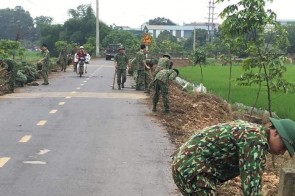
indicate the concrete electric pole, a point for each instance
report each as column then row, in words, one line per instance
column 97, row 29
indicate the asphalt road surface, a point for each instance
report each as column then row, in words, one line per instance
column 78, row 137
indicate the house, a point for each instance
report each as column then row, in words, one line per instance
column 180, row 31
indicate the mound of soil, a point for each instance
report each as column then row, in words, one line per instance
column 194, row 111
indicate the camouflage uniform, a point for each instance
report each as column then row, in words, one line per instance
column 163, row 63
column 140, row 69
column 122, row 62
column 161, row 85
column 63, row 58
column 220, row 153
column 45, row 65
column 148, row 72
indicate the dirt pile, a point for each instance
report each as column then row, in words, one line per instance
column 194, row 111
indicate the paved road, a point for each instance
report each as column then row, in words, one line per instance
column 78, row 137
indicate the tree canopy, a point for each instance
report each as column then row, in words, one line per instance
column 160, row 21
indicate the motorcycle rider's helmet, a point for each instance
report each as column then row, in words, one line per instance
column 81, row 47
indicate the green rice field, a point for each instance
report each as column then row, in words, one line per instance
column 216, row 80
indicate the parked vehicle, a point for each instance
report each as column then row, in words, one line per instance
column 112, row 50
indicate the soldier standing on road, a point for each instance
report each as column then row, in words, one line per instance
column 11, row 68
column 45, row 63
column 140, row 67
column 121, row 61
column 63, row 58
column 222, row 152
column 161, row 86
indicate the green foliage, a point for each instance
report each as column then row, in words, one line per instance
column 291, row 37
column 160, row 21
column 43, row 20
column 166, row 35
column 50, row 35
column 16, row 24
column 256, row 29
column 29, row 71
column 60, row 45
column 200, row 39
column 199, row 57
column 10, row 49
column 126, row 38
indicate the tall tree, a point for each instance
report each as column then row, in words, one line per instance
column 15, row 24
column 160, row 21
column 247, row 21
column 291, row 36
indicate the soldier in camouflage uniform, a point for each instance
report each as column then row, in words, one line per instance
column 11, row 68
column 63, row 59
column 140, row 67
column 222, row 152
column 121, row 62
column 45, row 63
column 161, row 86
column 163, row 63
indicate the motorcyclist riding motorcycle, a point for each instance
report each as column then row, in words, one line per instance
column 81, row 56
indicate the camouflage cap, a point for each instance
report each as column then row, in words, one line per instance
column 286, row 129
column 121, row 48
column 167, row 55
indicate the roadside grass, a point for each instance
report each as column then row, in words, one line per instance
column 30, row 56
column 216, row 80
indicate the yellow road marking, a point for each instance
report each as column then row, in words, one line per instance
column 25, row 139
column 68, row 97
column 74, row 92
column 52, row 111
column 3, row 161
column 42, row 122
column 61, row 103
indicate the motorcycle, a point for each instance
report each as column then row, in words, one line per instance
column 81, row 66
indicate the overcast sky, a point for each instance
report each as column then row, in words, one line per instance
column 134, row 13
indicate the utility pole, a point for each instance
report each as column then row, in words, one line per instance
column 211, row 18
column 194, row 45
column 97, row 29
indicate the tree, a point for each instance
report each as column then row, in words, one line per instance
column 160, row 21
column 40, row 20
column 15, row 24
column 291, row 37
column 49, row 35
column 10, row 49
column 200, row 39
column 199, row 58
column 166, row 35
column 126, row 38
column 251, row 25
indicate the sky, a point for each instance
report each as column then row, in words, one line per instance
column 134, row 13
